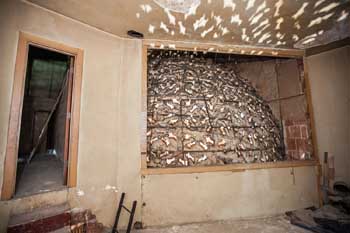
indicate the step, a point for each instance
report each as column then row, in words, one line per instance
column 46, row 219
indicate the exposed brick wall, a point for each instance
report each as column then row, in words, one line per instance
column 298, row 139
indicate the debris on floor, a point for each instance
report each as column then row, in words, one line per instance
column 330, row 218
column 276, row 224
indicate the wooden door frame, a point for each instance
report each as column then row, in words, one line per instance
column 10, row 164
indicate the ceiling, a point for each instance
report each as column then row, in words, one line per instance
column 267, row 23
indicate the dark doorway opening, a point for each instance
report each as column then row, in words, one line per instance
column 44, row 133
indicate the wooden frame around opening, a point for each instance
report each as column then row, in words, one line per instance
column 10, row 165
column 287, row 53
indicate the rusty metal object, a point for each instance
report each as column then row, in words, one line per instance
column 202, row 113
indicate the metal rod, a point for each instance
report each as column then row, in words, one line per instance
column 114, row 230
column 131, row 216
column 43, row 130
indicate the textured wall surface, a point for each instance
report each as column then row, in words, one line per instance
column 109, row 153
column 184, row 198
column 330, row 89
column 108, row 156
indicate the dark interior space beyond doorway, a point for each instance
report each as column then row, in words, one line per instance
column 43, row 131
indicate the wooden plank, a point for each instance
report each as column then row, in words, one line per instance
column 313, row 128
column 68, row 120
column 49, row 44
column 327, row 47
column 143, row 123
column 75, row 119
column 228, row 168
column 232, row 49
column 143, row 161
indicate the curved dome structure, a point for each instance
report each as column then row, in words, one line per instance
column 202, row 113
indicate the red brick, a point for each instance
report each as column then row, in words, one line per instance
column 304, row 133
column 294, row 131
column 288, row 122
column 291, row 144
column 302, row 145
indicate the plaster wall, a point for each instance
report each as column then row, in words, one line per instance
column 330, row 89
column 184, row 198
column 108, row 157
column 109, row 139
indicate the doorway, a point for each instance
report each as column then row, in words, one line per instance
column 43, row 131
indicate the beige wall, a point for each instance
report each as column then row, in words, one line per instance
column 330, row 89
column 184, row 198
column 109, row 152
column 108, row 143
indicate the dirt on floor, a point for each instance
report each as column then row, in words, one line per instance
column 277, row 224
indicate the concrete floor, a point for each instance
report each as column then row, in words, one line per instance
column 277, row 224
column 43, row 174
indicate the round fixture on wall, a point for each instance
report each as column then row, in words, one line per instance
column 135, row 34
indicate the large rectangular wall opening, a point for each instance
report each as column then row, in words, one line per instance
column 210, row 109
column 44, row 131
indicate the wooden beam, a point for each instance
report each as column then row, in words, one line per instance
column 232, row 49
column 228, row 168
column 326, row 47
column 75, row 119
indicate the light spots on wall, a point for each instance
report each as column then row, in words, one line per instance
column 182, row 28
column 192, row 10
column 146, row 8
column 250, row 4
column 111, row 188
column 327, row 8
column 295, row 37
column 230, row 4
column 343, row 16
column 251, row 22
column 255, row 18
column 205, row 32
column 151, row 28
column 319, row 2
column 319, row 20
column 264, row 37
column 279, row 21
column 236, row 19
column 280, row 36
column 80, row 193
column 307, row 41
column 200, row 23
column 261, row 7
column 297, row 25
column 180, row 6
column 300, row 11
column 172, row 19
column 224, row 30
column 218, row 19
column 164, row 27
column 278, row 6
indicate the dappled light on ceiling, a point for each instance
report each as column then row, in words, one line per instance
column 277, row 23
